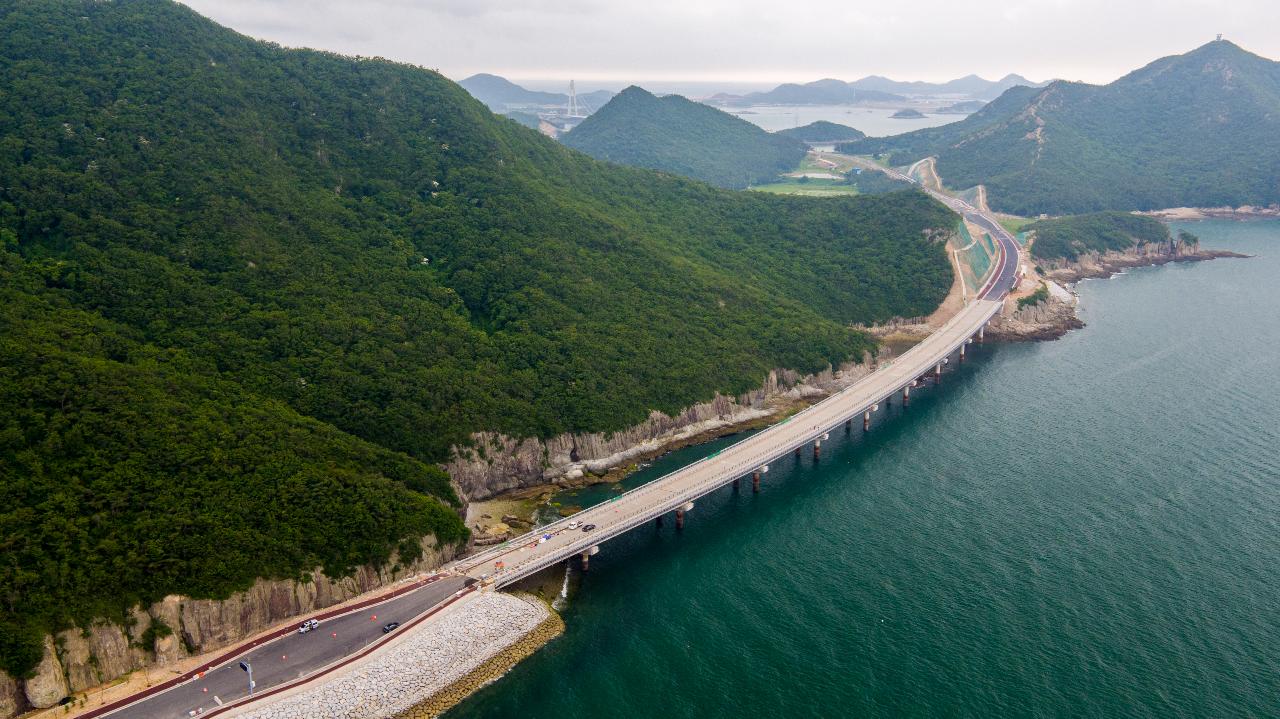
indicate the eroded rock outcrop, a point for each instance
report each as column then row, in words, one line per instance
column 498, row 463
column 85, row 657
column 48, row 685
column 12, row 700
column 1047, row 320
column 1097, row 265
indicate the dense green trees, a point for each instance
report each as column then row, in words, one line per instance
column 250, row 293
column 1066, row 238
column 823, row 131
column 1200, row 129
column 688, row 138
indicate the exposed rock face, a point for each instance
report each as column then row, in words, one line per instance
column 1048, row 320
column 503, row 464
column 12, row 700
column 85, row 658
column 1145, row 255
column 48, row 685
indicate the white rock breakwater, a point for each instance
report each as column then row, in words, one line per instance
column 418, row 665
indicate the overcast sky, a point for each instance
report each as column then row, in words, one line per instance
column 613, row 42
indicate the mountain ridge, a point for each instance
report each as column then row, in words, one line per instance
column 1197, row 129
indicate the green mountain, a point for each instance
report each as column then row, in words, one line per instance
column 1200, row 129
column 688, row 138
column 1066, row 238
column 251, row 295
column 823, row 131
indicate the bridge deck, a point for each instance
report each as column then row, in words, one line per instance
column 524, row 555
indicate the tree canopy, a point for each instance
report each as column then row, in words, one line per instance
column 252, row 294
column 687, row 138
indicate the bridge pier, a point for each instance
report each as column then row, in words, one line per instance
column 586, row 561
column 797, row 453
column 657, row 522
column 962, row 348
column 937, row 372
column 848, row 425
column 679, row 519
column 906, row 395
column 866, row 421
column 735, row 483
column 755, row 482
column 981, row 330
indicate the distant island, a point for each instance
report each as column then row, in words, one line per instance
column 907, row 113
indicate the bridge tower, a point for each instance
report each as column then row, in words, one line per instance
column 574, row 111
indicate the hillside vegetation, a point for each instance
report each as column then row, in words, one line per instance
column 687, row 138
column 1200, row 129
column 823, row 131
column 251, row 294
column 1066, row 238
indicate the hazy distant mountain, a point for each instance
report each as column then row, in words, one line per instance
column 823, row 131
column 684, row 137
column 965, row 107
column 500, row 93
column 818, row 92
column 1200, row 129
column 968, row 86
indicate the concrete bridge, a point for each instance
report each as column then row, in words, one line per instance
column 679, row 491
column 219, row 686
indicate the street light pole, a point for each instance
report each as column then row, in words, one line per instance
column 248, row 668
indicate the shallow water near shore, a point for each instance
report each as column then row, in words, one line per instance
column 1085, row 527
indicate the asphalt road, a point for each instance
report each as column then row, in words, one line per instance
column 520, row 557
column 291, row 656
column 556, row 542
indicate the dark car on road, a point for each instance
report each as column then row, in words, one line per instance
column 588, row 527
column 389, row 627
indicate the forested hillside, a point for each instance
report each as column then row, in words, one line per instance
column 685, row 137
column 1066, row 238
column 1200, row 129
column 823, row 131
column 250, row 294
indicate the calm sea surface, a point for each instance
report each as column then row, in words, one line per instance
column 874, row 121
column 1080, row 528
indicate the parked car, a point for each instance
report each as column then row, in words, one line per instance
column 308, row 626
column 588, row 527
column 389, row 627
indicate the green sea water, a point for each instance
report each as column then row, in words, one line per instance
column 1080, row 528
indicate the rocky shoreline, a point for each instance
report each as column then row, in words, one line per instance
column 427, row 669
column 80, row 659
column 1244, row 212
column 489, row 671
column 498, row 465
column 1111, row 263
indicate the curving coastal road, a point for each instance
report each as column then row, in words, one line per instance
column 556, row 542
column 287, row 657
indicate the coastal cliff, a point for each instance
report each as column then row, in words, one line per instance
column 1105, row 264
column 498, row 464
column 177, row 627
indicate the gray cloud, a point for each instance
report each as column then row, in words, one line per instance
column 759, row 40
